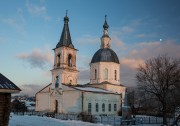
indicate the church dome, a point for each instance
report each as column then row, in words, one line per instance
column 105, row 55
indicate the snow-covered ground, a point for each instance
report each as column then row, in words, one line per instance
column 26, row 120
column 45, row 121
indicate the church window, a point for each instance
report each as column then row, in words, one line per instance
column 115, row 107
column 105, row 74
column 57, row 82
column 97, row 107
column 89, row 107
column 58, row 60
column 109, row 107
column 103, row 107
column 115, row 75
column 95, row 74
column 69, row 60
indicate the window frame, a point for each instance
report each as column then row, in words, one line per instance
column 115, row 107
column 97, row 107
column 69, row 60
column 103, row 107
column 89, row 107
column 109, row 107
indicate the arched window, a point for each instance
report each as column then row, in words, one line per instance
column 97, row 107
column 58, row 60
column 89, row 107
column 115, row 107
column 109, row 107
column 57, row 82
column 105, row 74
column 103, row 107
column 69, row 60
column 95, row 74
column 115, row 75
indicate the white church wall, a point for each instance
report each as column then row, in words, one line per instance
column 118, row 89
column 100, row 98
column 100, row 66
column 42, row 102
column 72, row 101
column 114, row 88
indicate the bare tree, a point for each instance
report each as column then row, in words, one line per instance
column 159, row 78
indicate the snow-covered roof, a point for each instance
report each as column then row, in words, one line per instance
column 7, row 86
column 93, row 89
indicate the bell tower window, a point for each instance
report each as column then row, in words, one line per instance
column 105, row 74
column 58, row 60
column 69, row 60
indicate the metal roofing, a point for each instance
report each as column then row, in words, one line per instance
column 65, row 39
column 5, row 83
column 93, row 89
column 105, row 55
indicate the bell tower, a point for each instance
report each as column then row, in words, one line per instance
column 64, row 71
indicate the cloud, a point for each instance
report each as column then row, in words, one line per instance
column 138, row 53
column 88, row 39
column 84, row 76
column 17, row 23
column 30, row 89
column 123, row 30
column 147, row 50
column 132, row 63
column 117, row 42
column 84, row 62
column 37, row 10
column 37, row 58
column 127, row 29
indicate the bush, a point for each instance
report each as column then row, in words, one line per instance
column 119, row 113
column 86, row 117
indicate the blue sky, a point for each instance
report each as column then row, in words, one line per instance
column 30, row 29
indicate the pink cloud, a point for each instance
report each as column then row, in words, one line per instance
column 131, row 63
column 37, row 58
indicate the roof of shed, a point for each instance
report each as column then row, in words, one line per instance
column 7, row 86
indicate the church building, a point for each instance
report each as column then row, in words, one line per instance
column 102, row 96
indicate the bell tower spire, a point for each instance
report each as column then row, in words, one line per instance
column 65, row 39
column 105, row 39
column 64, row 71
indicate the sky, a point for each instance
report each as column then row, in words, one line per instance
column 30, row 29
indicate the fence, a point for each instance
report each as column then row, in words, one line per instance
column 111, row 120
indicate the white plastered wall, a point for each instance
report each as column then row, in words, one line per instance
column 100, row 98
column 100, row 66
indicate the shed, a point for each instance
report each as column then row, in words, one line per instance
column 7, row 87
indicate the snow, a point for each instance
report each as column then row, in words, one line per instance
column 26, row 120
column 92, row 89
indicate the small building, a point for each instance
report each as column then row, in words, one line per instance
column 7, row 87
column 103, row 95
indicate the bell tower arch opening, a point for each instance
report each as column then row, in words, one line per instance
column 69, row 60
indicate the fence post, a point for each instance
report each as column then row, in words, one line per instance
column 101, row 119
column 114, row 120
column 156, row 119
